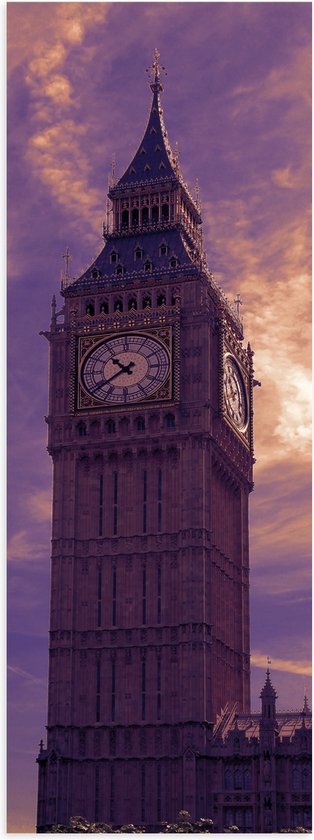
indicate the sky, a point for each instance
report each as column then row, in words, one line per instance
column 237, row 100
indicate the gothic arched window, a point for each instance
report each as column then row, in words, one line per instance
column 132, row 304
column 163, row 250
column 118, row 305
column 170, row 421
column 155, row 213
column 237, row 779
column 124, row 424
column 144, row 215
column 82, row 429
column 148, row 266
column 247, row 779
column 173, row 262
column 125, row 218
column 161, row 300
column 305, row 779
column 140, row 424
column 165, row 212
column 147, row 301
column 228, row 779
column 111, row 427
column 295, row 778
column 95, row 426
column 90, row 309
column 104, row 307
column 135, row 216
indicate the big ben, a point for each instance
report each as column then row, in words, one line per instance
column 151, row 438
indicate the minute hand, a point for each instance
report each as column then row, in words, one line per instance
column 114, row 376
column 106, row 381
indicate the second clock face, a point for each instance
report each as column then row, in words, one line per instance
column 235, row 398
column 125, row 368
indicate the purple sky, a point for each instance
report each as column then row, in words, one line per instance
column 237, row 99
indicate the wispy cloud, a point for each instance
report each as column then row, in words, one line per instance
column 24, row 548
column 39, row 505
column 57, row 149
column 302, row 667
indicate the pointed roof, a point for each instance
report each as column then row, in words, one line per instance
column 154, row 159
column 306, row 709
column 268, row 689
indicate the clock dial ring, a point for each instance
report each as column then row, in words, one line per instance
column 125, row 369
column 235, row 394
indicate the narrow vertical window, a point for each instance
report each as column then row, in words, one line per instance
column 111, row 815
column 143, row 689
column 101, row 502
column 97, row 793
column 158, row 792
column 99, row 588
column 159, row 500
column 158, row 594
column 114, row 597
column 98, row 691
column 143, row 780
column 113, row 690
column 144, row 596
column 115, row 503
column 145, row 501
column 158, row 688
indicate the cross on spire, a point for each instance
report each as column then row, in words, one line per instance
column 154, row 72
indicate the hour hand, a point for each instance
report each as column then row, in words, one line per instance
column 124, row 368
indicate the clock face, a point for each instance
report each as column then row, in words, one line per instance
column 125, row 368
column 235, row 398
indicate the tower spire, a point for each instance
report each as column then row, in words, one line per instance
column 306, row 708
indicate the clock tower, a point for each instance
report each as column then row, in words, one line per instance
column 150, row 434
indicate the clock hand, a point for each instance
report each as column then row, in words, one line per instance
column 124, row 369
column 106, row 381
column 122, row 366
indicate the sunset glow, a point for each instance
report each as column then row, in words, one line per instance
column 237, row 99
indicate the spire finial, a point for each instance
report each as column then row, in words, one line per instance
column 238, row 303
column 113, row 170
column 154, row 72
column 156, row 62
column 66, row 257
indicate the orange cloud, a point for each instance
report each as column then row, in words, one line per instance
column 39, row 505
column 302, row 667
column 55, row 152
column 23, row 549
column 285, row 177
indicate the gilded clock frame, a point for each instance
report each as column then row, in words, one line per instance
column 229, row 345
column 168, row 392
column 241, row 430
